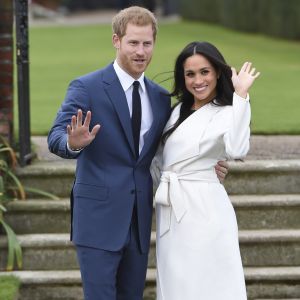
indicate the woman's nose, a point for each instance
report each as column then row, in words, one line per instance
column 198, row 79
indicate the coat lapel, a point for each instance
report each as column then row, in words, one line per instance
column 184, row 142
column 117, row 96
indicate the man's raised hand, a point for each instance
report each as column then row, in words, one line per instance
column 79, row 134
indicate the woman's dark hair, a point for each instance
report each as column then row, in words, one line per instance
column 224, row 84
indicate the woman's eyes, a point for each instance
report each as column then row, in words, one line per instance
column 204, row 72
column 191, row 74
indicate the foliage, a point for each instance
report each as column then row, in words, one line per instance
column 9, row 286
column 10, row 189
column 273, row 17
column 79, row 50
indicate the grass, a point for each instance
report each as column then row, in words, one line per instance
column 9, row 287
column 59, row 54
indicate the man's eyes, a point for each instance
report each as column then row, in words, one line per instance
column 146, row 44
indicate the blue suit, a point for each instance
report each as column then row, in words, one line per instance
column 109, row 180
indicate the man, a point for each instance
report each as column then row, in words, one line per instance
column 111, row 198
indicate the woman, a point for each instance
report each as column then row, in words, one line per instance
column 198, row 253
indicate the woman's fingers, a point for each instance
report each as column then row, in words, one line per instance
column 233, row 70
column 256, row 75
column 252, row 71
column 247, row 68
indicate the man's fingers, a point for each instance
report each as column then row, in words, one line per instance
column 79, row 118
column 224, row 164
column 87, row 119
column 73, row 122
column 221, row 170
column 69, row 130
column 220, row 175
column 95, row 130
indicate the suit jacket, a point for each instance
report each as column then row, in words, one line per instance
column 108, row 176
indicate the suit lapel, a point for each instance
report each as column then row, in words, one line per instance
column 117, row 96
column 154, row 99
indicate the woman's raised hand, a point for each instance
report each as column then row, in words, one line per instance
column 79, row 134
column 243, row 80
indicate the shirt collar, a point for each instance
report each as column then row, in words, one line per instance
column 126, row 80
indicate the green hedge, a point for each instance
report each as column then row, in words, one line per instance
column 204, row 10
column 273, row 17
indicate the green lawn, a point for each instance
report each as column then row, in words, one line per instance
column 59, row 54
column 9, row 286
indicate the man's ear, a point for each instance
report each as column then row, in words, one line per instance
column 116, row 41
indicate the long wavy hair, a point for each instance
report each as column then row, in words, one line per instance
column 224, row 86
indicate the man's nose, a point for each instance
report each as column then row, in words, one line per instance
column 140, row 49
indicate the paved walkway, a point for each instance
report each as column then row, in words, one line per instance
column 262, row 147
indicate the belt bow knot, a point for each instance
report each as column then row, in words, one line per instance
column 170, row 196
column 169, row 193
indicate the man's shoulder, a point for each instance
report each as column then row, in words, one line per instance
column 96, row 74
column 157, row 87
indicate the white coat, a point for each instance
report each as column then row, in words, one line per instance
column 198, row 253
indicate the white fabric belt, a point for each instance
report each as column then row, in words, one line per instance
column 170, row 196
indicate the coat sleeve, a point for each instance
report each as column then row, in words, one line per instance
column 76, row 98
column 237, row 137
column 156, row 167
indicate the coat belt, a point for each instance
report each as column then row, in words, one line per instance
column 169, row 195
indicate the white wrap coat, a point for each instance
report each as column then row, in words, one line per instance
column 198, row 253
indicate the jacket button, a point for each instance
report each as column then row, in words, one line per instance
column 132, row 192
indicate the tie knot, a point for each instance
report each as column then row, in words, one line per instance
column 136, row 84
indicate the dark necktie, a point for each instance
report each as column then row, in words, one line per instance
column 136, row 116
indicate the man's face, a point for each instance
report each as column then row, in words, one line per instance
column 134, row 49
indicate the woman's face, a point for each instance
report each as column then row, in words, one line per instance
column 200, row 79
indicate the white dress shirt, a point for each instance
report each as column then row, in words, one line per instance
column 127, row 84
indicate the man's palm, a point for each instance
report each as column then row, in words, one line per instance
column 79, row 135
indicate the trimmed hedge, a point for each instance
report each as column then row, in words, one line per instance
column 273, row 17
column 204, row 10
